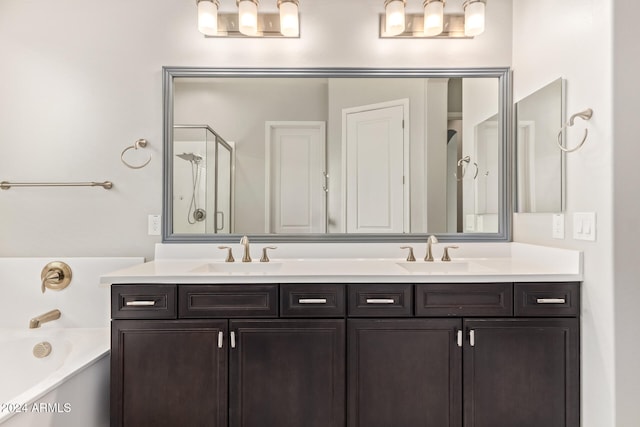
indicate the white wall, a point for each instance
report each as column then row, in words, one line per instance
column 572, row 39
column 80, row 81
column 626, row 205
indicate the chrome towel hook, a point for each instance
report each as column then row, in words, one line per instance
column 141, row 143
column 584, row 115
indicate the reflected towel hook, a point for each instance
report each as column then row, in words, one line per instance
column 141, row 143
column 584, row 115
column 467, row 160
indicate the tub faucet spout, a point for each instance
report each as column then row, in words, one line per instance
column 37, row 321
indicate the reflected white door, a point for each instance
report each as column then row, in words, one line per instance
column 295, row 199
column 487, row 151
column 375, row 158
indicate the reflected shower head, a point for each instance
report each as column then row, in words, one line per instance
column 190, row 157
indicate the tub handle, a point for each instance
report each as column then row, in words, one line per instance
column 140, row 303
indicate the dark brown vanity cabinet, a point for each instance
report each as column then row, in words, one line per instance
column 225, row 359
column 357, row 355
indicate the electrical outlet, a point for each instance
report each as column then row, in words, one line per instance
column 154, row 227
column 558, row 226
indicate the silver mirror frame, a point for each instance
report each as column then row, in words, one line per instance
column 505, row 127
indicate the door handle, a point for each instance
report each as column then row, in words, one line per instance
column 459, row 337
column 220, row 339
column 232, row 337
column 472, row 338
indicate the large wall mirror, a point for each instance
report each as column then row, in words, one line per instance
column 336, row 154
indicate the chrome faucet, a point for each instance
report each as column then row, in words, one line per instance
column 246, row 257
column 37, row 321
column 432, row 240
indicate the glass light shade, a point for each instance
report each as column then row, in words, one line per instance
column 394, row 18
column 474, row 19
column 248, row 17
column 433, row 18
column 208, row 17
column 289, row 24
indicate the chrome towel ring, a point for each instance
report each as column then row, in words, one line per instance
column 141, row 143
column 584, row 115
column 467, row 160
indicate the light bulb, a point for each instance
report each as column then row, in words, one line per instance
column 208, row 17
column 433, row 17
column 394, row 10
column 289, row 24
column 473, row 18
column 248, row 17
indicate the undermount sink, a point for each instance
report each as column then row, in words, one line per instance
column 238, row 267
column 437, row 266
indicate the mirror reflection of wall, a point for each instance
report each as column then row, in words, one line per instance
column 539, row 162
column 437, row 127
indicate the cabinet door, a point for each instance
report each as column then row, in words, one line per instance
column 287, row 373
column 521, row 372
column 168, row 373
column 404, row 373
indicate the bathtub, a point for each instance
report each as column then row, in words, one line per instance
column 70, row 386
column 38, row 391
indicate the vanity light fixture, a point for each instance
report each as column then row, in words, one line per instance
column 289, row 22
column 208, row 17
column 433, row 17
column 248, row 17
column 394, row 16
column 474, row 17
column 247, row 22
column 434, row 23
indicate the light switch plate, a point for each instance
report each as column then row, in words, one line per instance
column 584, row 226
column 558, row 226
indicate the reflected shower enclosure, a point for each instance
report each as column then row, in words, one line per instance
column 202, row 181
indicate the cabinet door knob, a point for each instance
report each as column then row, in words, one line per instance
column 472, row 338
column 459, row 337
column 232, row 336
column 220, row 339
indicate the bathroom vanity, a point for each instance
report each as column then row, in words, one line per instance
column 470, row 346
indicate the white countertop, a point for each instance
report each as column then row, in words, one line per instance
column 472, row 262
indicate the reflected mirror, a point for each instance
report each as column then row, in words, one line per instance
column 335, row 154
column 539, row 161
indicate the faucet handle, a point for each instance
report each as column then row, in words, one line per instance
column 445, row 254
column 229, row 253
column 265, row 258
column 410, row 256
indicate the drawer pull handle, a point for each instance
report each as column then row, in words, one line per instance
column 551, row 300
column 233, row 339
column 140, row 303
column 220, row 339
column 312, row 301
column 380, row 301
column 459, row 338
column 472, row 338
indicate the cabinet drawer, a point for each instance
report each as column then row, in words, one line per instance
column 464, row 299
column 210, row 301
column 380, row 300
column 547, row 299
column 312, row 300
column 143, row 301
